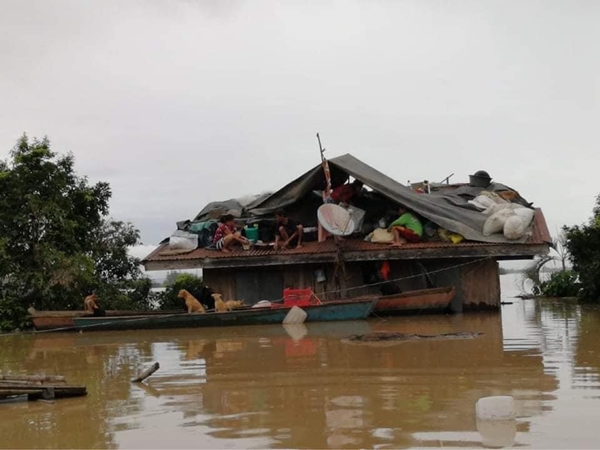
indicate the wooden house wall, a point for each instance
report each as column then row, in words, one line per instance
column 477, row 284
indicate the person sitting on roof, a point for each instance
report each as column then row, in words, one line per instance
column 406, row 228
column 226, row 234
column 288, row 231
column 346, row 193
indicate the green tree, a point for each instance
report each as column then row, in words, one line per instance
column 583, row 243
column 57, row 242
column 193, row 284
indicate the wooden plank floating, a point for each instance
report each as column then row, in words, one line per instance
column 38, row 387
column 32, row 378
column 146, row 373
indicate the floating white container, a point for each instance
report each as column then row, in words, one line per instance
column 495, row 408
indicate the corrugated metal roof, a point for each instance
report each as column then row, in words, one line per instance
column 540, row 236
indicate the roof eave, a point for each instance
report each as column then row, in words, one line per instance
column 500, row 252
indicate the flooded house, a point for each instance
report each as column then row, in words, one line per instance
column 454, row 251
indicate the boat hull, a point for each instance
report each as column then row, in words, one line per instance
column 333, row 311
column 435, row 300
column 52, row 320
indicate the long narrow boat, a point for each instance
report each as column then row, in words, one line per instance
column 52, row 320
column 416, row 302
column 331, row 311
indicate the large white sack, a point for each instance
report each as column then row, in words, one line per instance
column 499, row 206
column 527, row 213
column 516, row 226
column 182, row 240
column 482, row 202
column 495, row 223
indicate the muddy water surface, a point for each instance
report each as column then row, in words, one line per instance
column 258, row 387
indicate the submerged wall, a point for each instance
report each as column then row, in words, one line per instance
column 477, row 282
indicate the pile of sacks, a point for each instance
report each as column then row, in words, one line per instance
column 504, row 217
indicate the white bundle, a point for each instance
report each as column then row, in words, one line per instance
column 482, row 202
column 182, row 240
column 500, row 206
column 495, row 223
column 511, row 219
column 516, row 225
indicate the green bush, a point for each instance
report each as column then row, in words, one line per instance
column 191, row 283
column 583, row 243
column 562, row 284
column 130, row 295
column 13, row 313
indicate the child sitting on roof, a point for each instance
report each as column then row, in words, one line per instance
column 406, row 228
column 288, row 231
column 226, row 234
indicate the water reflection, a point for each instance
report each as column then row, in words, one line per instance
column 302, row 386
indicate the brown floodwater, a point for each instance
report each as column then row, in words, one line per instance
column 263, row 387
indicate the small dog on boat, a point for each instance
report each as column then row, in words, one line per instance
column 229, row 305
column 234, row 304
column 89, row 303
column 191, row 303
column 220, row 305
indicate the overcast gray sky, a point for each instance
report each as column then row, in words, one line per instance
column 176, row 103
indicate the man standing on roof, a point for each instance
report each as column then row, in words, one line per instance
column 288, row 231
column 346, row 193
column 406, row 228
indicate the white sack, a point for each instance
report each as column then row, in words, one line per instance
column 495, row 223
column 515, row 226
column 500, row 206
column 182, row 240
column 482, row 202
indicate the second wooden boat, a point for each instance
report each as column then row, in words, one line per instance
column 416, row 302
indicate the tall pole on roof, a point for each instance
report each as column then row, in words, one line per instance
column 325, row 165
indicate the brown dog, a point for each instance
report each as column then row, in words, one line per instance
column 220, row 305
column 234, row 304
column 89, row 303
column 192, row 304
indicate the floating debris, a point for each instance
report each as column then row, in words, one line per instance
column 389, row 337
column 38, row 387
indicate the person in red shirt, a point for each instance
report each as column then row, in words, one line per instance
column 226, row 234
column 346, row 193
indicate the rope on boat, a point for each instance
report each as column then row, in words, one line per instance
column 135, row 319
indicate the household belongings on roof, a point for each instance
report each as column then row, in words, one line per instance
column 482, row 210
column 447, row 208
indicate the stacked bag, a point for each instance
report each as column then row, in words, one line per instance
column 504, row 217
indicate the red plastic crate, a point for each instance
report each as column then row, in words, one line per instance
column 299, row 297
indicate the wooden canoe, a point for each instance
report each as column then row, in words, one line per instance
column 416, row 302
column 52, row 320
column 331, row 311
